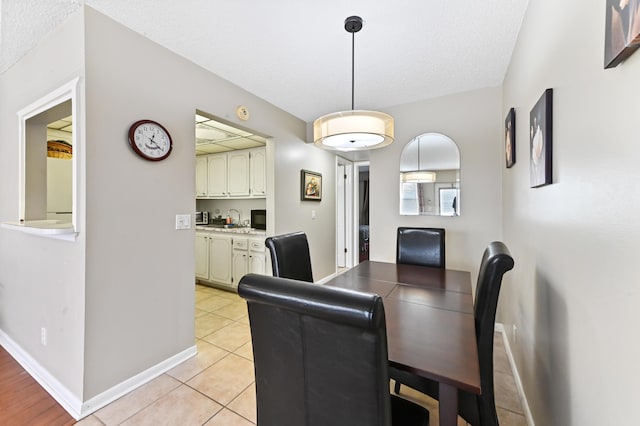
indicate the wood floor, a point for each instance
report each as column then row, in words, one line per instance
column 22, row 399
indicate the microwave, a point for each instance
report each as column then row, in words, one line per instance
column 202, row 218
column 259, row 219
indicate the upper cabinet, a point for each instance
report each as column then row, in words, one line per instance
column 238, row 173
column 201, row 177
column 217, row 175
column 233, row 174
column 258, row 173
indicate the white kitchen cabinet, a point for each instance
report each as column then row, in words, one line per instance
column 202, row 255
column 213, row 257
column 257, row 256
column 220, row 258
column 233, row 174
column 240, row 258
column 224, row 258
column 201, row 177
column 258, row 172
column 248, row 257
column 238, row 173
column 217, row 175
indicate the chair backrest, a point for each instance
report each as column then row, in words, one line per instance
column 420, row 246
column 496, row 260
column 290, row 256
column 320, row 353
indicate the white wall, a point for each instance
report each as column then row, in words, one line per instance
column 573, row 293
column 470, row 120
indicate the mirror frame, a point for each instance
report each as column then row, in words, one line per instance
column 446, row 157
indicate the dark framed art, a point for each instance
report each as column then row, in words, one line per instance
column 622, row 31
column 310, row 186
column 510, row 138
column 540, row 131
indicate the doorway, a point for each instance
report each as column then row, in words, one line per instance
column 362, row 197
column 344, row 214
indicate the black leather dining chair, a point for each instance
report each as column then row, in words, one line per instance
column 478, row 410
column 320, row 356
column 290, row 256
column 420, row 246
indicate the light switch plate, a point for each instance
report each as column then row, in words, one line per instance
column 183, row 221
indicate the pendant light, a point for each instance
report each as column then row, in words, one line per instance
column 419, row 175
column 356, row 129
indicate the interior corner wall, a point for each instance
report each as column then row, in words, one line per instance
column 471, row 120
column 140, row 269
column 573, row 294
column 41, row 279
column 316, row 218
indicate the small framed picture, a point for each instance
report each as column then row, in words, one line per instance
column 540, row 132
column 622, row 31
column 510, row 138
column 310, row 186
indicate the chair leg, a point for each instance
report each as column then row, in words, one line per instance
column 396, row 387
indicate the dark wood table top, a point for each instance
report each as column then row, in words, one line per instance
column 429, row 315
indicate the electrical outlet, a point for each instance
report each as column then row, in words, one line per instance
column 515, row 334
column 43, row 336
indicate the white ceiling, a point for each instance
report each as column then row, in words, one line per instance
column 297, row 55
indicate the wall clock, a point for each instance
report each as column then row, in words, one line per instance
column 150, row 140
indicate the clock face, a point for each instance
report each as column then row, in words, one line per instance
column 150, row 140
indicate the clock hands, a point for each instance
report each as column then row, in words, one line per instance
column 151, row 139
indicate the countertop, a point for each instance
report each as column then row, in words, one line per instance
column 231, row 230
column 47, row 228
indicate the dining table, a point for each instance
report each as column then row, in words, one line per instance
column 430, row 324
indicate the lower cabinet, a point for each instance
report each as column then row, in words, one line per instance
column 220, row 259
column 224, row 259
column 202, row 255
column 248, row 257
column 257, row 256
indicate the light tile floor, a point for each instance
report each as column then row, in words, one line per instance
column 216, row 387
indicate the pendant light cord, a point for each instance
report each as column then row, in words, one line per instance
column 353, row 66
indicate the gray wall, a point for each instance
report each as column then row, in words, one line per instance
column 470, row 120
column 41, row 279
column 292, row 214
column 121, row 298
column 573, row 293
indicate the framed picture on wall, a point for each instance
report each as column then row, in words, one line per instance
column 622, row 31
column 540, row 131
column 310, row 186
column 510, row 138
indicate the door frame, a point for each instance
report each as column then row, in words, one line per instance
column 345, row 214
column 356, row 209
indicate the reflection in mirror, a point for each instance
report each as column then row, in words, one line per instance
column 430, row 176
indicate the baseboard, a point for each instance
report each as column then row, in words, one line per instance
column 134, row 382
column 71, row 403
column 516, row 376
column 326, row 279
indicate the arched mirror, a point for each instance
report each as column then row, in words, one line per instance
column 430, row 176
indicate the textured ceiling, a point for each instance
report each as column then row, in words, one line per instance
column 297, row 55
